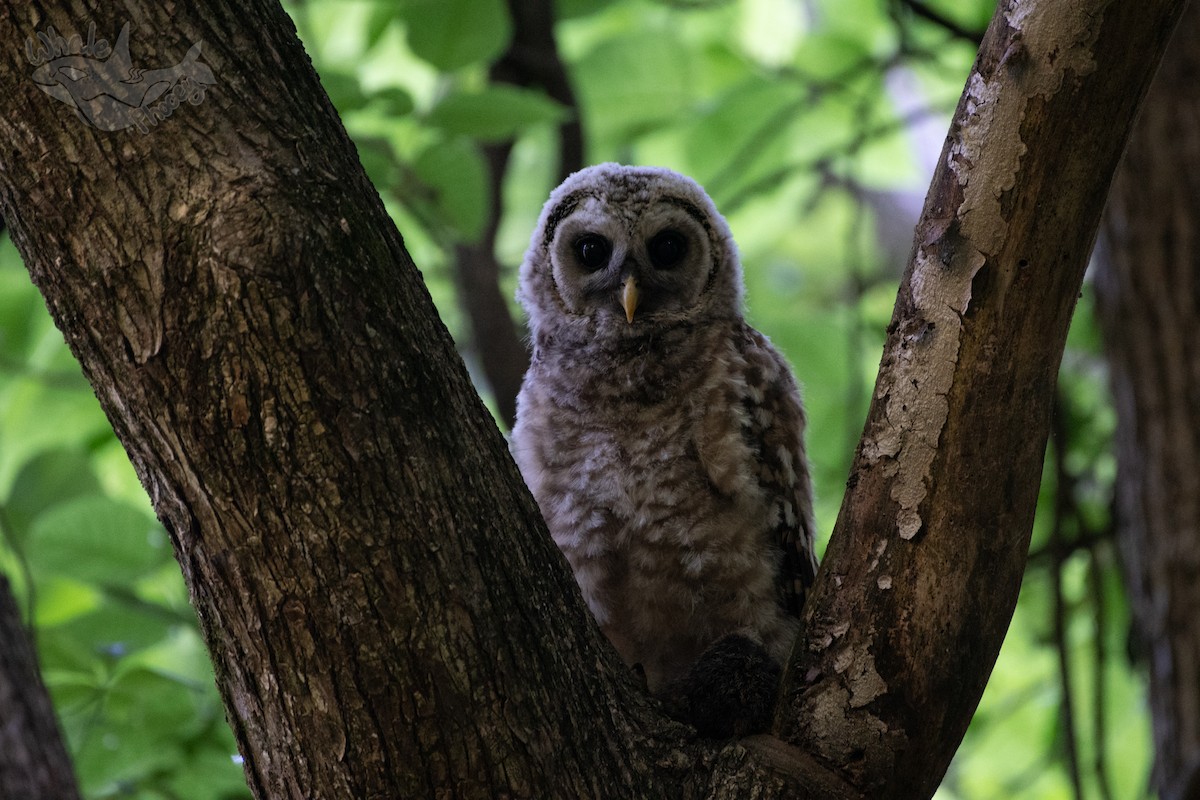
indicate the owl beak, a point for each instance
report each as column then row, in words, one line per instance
column 629, row 297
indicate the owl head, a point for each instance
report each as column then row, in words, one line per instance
column 621, row 252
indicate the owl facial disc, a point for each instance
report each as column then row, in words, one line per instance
column 622, row 253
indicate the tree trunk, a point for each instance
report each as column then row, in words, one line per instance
column 922, row 573
column 1148, row 293
column 386, row 614
column 33, row 761
column 385, row 611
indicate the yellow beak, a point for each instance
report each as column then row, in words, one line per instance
column 629, row 297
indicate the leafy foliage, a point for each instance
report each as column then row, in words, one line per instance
column 120, row 650
column 815, row 127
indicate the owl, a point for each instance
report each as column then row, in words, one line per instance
column 660, row 434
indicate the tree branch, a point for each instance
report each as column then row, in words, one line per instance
column 502, row 354
column 531, row 60
column 923, row 569
column 926, row 13
column 386, row 613
column 1064, row 505
column 33, row 758
column 1100, row 683
column 1147, row 301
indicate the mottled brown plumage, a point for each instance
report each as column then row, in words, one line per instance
column 661, row 435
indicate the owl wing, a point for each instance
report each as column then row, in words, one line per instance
column 774, row 428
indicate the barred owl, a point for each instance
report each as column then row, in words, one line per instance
column 661, row 435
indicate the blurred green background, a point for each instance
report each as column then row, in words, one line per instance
column 815, row 126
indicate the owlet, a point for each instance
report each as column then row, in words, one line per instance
column 661, row 435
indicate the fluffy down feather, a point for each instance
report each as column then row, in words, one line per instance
column 663, row 442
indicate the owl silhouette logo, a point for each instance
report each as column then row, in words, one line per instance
column 105, row 89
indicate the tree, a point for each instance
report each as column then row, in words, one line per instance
column 319, row 457
column 33, row 760
column 1146, row 285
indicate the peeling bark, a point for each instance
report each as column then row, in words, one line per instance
column 922, row 573
column 1148, row 294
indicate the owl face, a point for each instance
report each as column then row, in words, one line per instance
column 621, row 251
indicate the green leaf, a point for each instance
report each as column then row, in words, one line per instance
column 456, row 175
column 569, row 9
column 454, row 33
column 60, row 599
column 831, row 55
column 344, row 90
column 379, row 18
column 348, row 95
column 379, row 163
column 634, row 83
column 180, row 656
column 210, row 773
column 96, row 540
column 745, row 129
column 497, row 112
column 145, row 721
column 114, row 631
column 48, row 479
column 39, row 415
column 393, row 100
column 971, row 16
column 20, row 306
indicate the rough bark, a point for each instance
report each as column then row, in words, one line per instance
column 1148, row 292
column 33, row 758
column 922, row 573
column 386, row 614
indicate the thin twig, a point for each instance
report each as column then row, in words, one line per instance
column 857, row 286
column 945, row 23
column 1063, row 502
column 822, row 160
column 812, row 90
column 1061, row 551
column 1100, row 686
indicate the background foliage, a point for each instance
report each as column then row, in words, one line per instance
column 815, row 125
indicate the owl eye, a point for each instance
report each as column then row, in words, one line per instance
column 667, row 248
column 593, row 251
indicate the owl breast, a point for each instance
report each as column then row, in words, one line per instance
column 649, row 486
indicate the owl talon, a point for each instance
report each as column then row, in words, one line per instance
column 640, row 672
column 730, row 691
